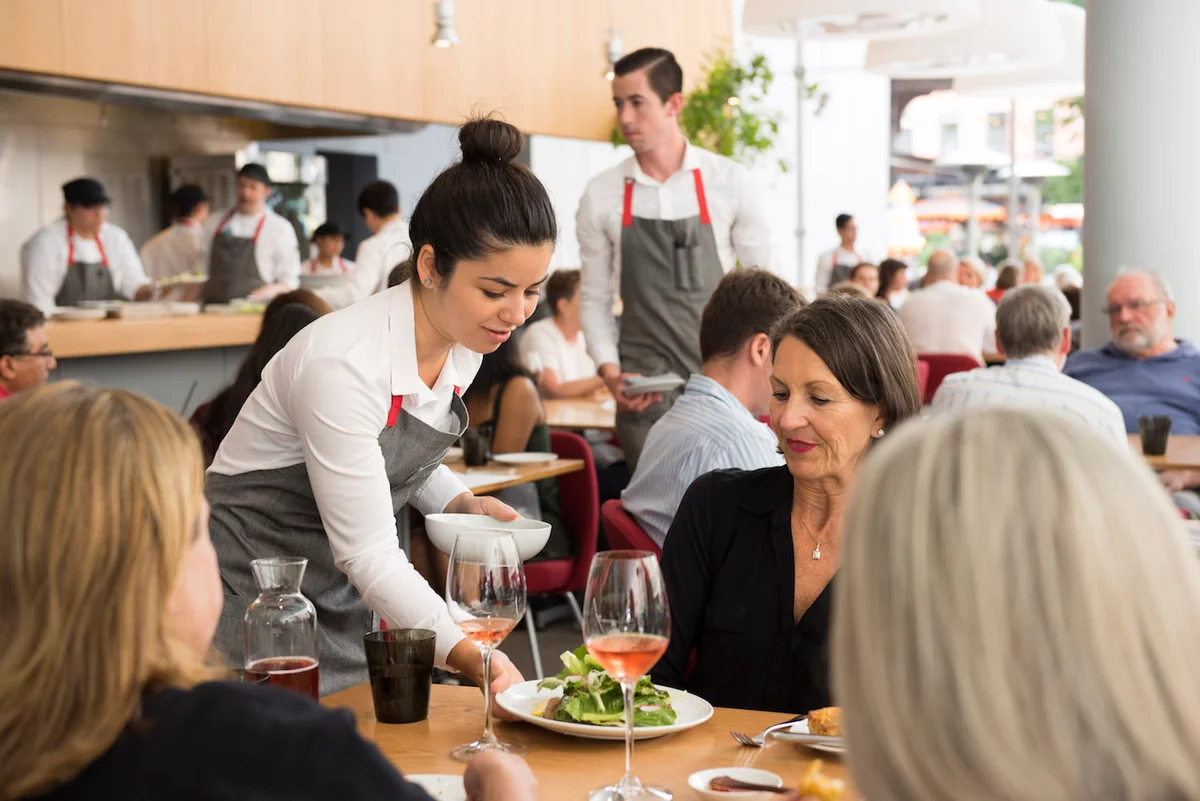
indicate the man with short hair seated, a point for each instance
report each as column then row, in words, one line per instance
column 1144, row 369
column 945, row 317
column 715, row 423
column 25, row 356
column 1033, row 332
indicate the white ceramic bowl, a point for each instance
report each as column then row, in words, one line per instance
column 531, row 535
column 699, row 782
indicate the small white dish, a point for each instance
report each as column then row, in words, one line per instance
column 443, row 530
column 801, row 727
column 441, row 786
column 184, row 309
column 70, row 314
column 520, row 700
column 659, row 383
column 699, row 781
column 530, row 457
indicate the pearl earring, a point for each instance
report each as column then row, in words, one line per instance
column 428, row 282
column 880, row 432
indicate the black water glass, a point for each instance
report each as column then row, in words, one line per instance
column 1156, row 431
column 476, row 445
column 400, row 663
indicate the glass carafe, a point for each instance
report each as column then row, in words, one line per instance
column 281, row 627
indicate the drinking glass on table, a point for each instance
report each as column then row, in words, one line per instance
column 626, row 626
column 485, row 592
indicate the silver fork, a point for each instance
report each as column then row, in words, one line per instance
column 760, row 739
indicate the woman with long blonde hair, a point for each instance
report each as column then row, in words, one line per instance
column 109, row 597
column 1017, row 619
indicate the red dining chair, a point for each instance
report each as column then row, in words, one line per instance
column 942, row 365
column 922, row 377
column 580, row 497
column 623, row 531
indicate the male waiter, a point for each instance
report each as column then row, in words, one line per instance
column 249, row 251
column 660, row 229
column 81, row 256
column 836, row 265
column 388, row 245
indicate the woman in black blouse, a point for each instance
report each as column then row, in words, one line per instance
column 749, row 559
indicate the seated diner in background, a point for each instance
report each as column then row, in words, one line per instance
column 1008, row 276
column 81, row 256
column 944, row 317
column 554, row 348
column 716, row 424
column 849, row 288
column 212, row 420
column 750, row 558
column 108, row 617
column 893, row 282
column 867, row 276
column 26, row 360
column 1001, row 638
column 1033, row 333
column 972, row 272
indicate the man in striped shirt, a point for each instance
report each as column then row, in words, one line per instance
column 1033, row 331
column 715, row 423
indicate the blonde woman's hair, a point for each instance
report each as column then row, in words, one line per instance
column 100, row 493
column 1017, row 619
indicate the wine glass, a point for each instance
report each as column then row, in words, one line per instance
column 485, row 592
column 626, row 626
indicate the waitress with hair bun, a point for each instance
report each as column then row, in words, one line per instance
column 353, row 417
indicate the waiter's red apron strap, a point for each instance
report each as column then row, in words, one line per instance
column 398, row 402
column 701, row 201
column 71, row 247
column 225, row 221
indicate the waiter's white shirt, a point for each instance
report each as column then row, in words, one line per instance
column 739, row 224
column 839, row 256
column 44, row 262
column 946, row 317
column 172, row 251
column 377, row 255
column 277, row 250
column 323, row 401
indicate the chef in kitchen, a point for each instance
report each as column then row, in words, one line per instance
column 659, row 229
column 248, row 251
column 329, row 239
column 81, row 256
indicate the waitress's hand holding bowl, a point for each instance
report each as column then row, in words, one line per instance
column 465, row 657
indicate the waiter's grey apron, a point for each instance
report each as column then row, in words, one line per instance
column 273, row 513
column 85, row 280
column 841, row 272
column 232, row 266
column 669, row 269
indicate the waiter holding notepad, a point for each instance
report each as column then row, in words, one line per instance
column 659, row 229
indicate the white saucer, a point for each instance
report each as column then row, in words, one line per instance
column 531, row 457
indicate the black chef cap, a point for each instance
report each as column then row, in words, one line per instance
column 328, row 229
column 185, row 199
column 85, row 192
column 255, row 172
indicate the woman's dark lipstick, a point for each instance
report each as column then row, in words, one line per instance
column 800, row 446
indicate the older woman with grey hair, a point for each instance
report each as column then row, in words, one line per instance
column 1000, row 640
column 750, row 556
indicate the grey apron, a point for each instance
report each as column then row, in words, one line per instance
column 669, row 269
column 273, row 513
column 232, row 266
column 85, row 280
column 841, row 272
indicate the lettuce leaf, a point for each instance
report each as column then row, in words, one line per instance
column 592, row 696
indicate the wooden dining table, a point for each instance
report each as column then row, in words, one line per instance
column 579, row 414
column 1183, row 452
column 507, row 475
column 566, row 767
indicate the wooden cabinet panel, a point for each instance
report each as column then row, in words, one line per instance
column 145, row 42
column 370, row 62
column 267, row 50
column 31, row 36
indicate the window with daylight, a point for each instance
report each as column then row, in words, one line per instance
column 949, row 137
column 997, row 132
column 1043, row 134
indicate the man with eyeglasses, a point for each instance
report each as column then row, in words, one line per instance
column 25, row 356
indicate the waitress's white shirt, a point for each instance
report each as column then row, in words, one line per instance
column 323, row 401
column 44, row 262
column 277, row 251
column 172, row 251
column 739, row 221
column 377, row 255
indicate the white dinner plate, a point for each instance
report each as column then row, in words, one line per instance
column 802, row 728
column 658, row 383
column 442, row 786
column 68, row 313
column 520, row 699
column 532, row 457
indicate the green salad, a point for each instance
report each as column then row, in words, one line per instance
column 592, row 696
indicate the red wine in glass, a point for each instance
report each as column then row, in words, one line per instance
column 299, row 674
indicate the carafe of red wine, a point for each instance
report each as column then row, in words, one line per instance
column 281, row 627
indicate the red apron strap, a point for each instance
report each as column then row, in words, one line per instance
column 342, row 263
column 224, row 221
column 457, row 389
column 71, row 247
column 627, row 208
column 394, row 414
column 312, row 265
column 704, row 218
column 258, row 228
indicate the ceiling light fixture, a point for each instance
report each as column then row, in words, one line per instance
column 616, row 49
column 444, row 36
